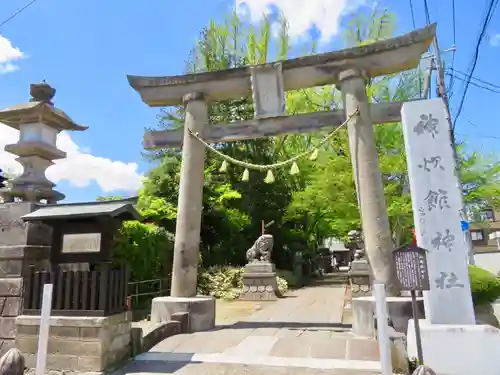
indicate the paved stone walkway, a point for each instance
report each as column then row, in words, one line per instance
column 300, row 334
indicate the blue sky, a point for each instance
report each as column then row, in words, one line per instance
column 86, row 48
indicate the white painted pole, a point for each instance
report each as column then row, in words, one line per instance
column 43, row 339
column 427, row 304
column 382, row 329
column 469, row 247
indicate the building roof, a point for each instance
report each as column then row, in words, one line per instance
column 133, row 199
column 122, row 208
column 334, row 244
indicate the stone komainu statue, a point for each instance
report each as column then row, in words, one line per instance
column 355, row 242
column 355, row 239
column 261, row 249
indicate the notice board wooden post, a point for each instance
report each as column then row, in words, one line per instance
column 412, row 274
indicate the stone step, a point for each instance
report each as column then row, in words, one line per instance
column 288, row 343
column 179, row 368
column 154, row 361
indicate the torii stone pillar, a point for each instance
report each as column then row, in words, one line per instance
column 366, row 172
column 183, row 297
column 190, row 204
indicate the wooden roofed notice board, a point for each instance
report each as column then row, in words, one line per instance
column 411, row 268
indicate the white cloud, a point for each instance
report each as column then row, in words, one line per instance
column 80, row 168
column 8, row 54
column 495, row 40
column 301, row 15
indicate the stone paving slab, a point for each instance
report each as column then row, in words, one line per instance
column 301, row 334
column 284, row 343
column 180, row 368
column 320, row 305
column 334, row 348
column 258, row 360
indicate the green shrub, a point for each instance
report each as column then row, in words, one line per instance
column 227, row 282
column 146, row 248
column 221, row 282
column 485, row 286
column 282, row 285
column 289, row 276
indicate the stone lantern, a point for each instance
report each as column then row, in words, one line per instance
column 39, row 122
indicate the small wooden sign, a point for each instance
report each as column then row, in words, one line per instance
column 411, row 268
column 81, row 243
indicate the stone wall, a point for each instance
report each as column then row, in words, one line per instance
column 21, row 245
column 146, row 335
column 10, row 307
column 77, row 344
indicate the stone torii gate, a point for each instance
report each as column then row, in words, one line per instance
column 348, row 69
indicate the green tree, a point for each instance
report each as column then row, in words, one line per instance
column 233, row 209
column 480, row 174
column 329, row 199
column 321, row 200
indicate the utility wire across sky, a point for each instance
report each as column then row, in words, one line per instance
column 489, row 14
column 491, row 89
column 476, row 79
column 18, row 12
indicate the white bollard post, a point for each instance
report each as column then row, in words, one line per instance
column 427, row 304
column 382, row 328
column 43, row 339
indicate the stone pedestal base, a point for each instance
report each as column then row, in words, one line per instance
column 360, row 284
column 259, row 282
column 451, row 349
column 360, row 279
column 77, row 344
column 201, row 311
column 398, row 308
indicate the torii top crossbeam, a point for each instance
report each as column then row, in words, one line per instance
column 376, row 59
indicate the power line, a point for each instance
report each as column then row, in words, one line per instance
column 412, row 15
column 474, row 84
column 414, row 28
column 453, row 21
column 427, row 14
column 19, row 11
column 476, row 79
column 482, row 136
column 489, row 14
column 428, row 74
column 454, row 28
column 441, row 90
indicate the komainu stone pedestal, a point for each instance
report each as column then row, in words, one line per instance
column 260, row 282
column 201, row 310
column 77, row 344
column 360, row 278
